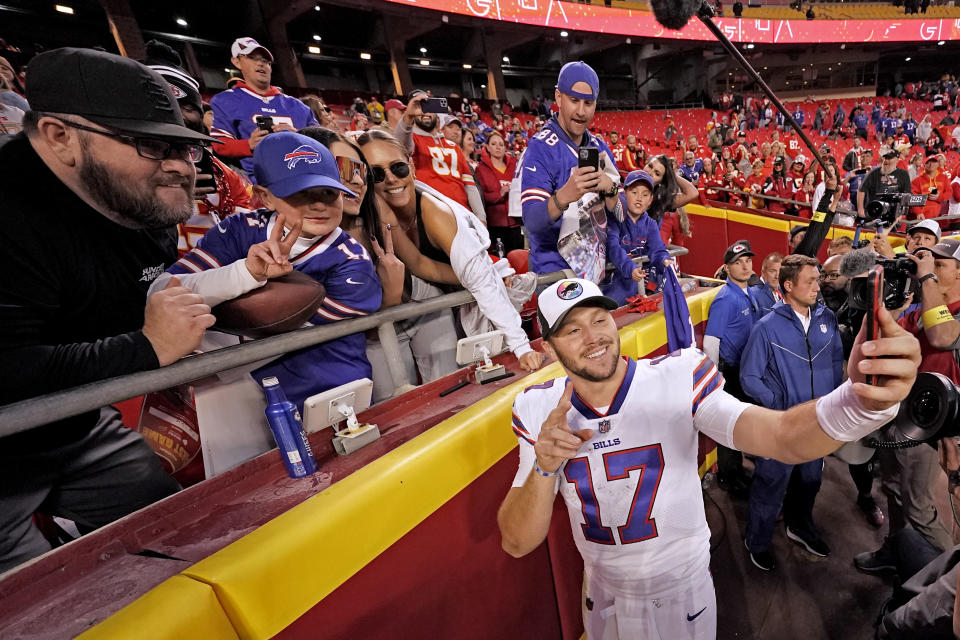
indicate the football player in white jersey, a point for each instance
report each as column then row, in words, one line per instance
column 618, row 439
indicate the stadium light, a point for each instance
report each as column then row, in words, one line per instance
column 317, row 37
column 467, row 66
column 564, row 34
column 750, row 45
column 424, row 62
column 423, row 49
column 314, row 50
column 316, row 7
column 941, row 43
column 629, row 40
column 62, row 8
column 483, row 86
column 506, row 59
column 365, row 56
column 181, row 22
column 907, row 59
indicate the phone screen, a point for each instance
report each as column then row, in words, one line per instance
column 589, row 157
column 874, row 304
column 265, row 123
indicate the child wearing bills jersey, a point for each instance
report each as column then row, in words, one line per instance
column 298, row 179
column 618, row 439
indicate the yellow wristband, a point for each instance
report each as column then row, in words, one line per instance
column 935, row 316
column 818, row 216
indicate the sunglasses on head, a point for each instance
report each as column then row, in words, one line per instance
column 399, row 169
column 350, row 168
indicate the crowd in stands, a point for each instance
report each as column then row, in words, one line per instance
column 389, row 202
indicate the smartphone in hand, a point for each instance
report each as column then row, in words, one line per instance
column 434, row 105
column 264, row 123
column 588, row 157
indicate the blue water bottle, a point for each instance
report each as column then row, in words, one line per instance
column 288, row 431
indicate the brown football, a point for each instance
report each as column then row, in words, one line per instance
column 283, row 304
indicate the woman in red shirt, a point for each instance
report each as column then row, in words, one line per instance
column 754, row 183
column 494, row 174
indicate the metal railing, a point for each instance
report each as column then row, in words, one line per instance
column 41, row 410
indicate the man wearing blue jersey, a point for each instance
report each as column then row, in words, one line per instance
column 253, row 108
column 550, row 180
column 299, row 182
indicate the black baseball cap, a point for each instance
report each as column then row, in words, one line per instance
column 737, row 250
column 893, row 153
column 110, row 90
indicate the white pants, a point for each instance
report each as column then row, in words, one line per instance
column 687, row 614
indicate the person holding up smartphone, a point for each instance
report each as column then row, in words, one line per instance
column 551, row 174
column 438, row 162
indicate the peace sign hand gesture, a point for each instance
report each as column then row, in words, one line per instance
column 269, row 259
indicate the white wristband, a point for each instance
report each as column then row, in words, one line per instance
column 843, row 417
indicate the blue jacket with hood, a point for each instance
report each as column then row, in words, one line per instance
column 782, row 366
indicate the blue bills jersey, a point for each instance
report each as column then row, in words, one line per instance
column 235, row 112
column 337, row 261
column 546, row 166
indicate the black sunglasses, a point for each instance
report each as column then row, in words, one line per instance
column 150, row 148
column 399, row 168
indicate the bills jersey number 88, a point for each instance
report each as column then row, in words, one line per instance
column 617, row 466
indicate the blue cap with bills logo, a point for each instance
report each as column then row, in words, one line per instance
column 636, row 176
column 574, row 72
column 286, row 162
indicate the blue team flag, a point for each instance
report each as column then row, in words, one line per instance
column 676, row 313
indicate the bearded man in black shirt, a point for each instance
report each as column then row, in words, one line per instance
column 92, row 191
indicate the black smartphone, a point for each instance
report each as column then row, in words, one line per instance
column 588, row 157
column 264, row 123
column 434, row 105
column 860, row 172
column 205, row 167
column 874, row 290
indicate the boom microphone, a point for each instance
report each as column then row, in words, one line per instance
column 674, row 14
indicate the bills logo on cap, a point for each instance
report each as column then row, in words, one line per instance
column 603, row 426
column 303, row 152
column 248, row 42
column 569, row 290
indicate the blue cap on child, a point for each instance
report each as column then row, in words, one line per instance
column 286, row 162
column 638, row 176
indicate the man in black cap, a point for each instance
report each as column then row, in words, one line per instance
column 92, row 190
column 887, row 178
column 732, row 315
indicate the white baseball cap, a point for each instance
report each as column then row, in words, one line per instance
column 246, row 46
column 930, row 226
column 558, row 299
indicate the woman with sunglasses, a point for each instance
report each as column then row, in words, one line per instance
column 445, row 231
column 361, row 220
column 298, row 182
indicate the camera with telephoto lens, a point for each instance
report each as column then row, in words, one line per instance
column 897, row 274
column 887, row 207
column 930, row 412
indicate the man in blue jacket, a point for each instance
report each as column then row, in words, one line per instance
column 733, row 313
column 767, row 292
column 793, row 355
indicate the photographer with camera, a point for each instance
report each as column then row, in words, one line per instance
column 909, row 474
column 887, row 178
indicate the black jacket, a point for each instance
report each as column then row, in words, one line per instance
column 72, row 291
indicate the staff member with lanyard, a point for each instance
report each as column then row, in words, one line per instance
column 732, row 315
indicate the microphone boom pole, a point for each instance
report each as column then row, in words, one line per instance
column 817, row 230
